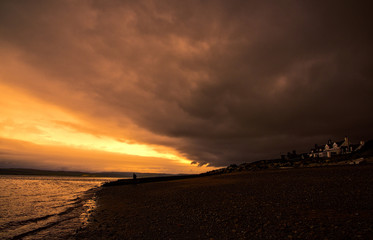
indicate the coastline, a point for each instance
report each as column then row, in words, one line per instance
column 301, row 203
column 130, row 181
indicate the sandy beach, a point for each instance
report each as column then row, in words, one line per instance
column 306, row 203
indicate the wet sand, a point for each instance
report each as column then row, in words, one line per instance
column 309, row 203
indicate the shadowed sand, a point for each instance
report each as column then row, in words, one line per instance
column 312, row 203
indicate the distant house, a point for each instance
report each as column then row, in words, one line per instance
column 334, row 148
column 317, row 151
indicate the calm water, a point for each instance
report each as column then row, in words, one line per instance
column 44, row 207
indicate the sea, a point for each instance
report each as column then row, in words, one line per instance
column 46, row 207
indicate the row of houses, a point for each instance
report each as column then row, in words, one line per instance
column 330, row 149
column 335, row 148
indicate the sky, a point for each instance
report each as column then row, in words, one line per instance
column 179, row 86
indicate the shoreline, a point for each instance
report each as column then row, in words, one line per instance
column 245, row 167
column 300, row 203
column 130, row 181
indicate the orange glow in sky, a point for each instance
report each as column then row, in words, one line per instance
column 158, row 85
column 23, row 117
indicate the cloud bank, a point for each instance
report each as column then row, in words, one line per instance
column 219, row 81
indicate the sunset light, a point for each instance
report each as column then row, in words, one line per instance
column 187, row 86
column 210, row 119
column 25, row 118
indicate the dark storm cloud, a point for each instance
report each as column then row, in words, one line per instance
column 226, row 81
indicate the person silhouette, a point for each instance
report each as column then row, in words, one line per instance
column 134, row 176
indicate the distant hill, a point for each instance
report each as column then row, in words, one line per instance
column 25, row 171
column 130, row 174
column 37, row 172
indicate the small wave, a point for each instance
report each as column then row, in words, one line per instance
column 68, row 210
column 63, row 205
column 15, row 224
column 34, row 231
